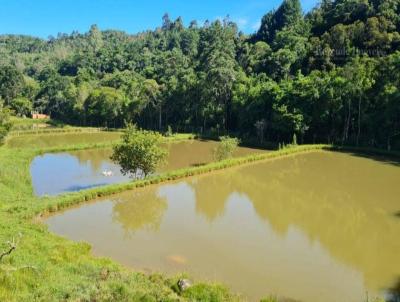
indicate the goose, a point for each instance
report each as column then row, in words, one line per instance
column 107, row 173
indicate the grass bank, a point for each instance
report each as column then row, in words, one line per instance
column 16, row 132
column 45, row 267
column 82, row 138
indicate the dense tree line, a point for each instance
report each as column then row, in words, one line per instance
column 331, row 76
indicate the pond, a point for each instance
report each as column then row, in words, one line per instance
column 61, row 139
column 314, row 227
column 57, row 173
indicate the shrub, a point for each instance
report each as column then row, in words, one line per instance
column 169, row 132
column 21, row 106
column 225, row 148
column 205, row 292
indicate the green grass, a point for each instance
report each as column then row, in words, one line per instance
column 51, row 130
column 18, row 121
column 79, row 138
column 62, row 270
column 27, row 124
column 45, row 267
column 62, row 139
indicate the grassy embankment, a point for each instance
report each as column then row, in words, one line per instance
column 45, row 267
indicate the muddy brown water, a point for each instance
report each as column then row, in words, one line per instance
column 315, row 227
column 55, row 173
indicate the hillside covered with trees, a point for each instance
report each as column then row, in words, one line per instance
column 329, row 76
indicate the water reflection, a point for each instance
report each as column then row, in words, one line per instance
column 69, row 172
column 387, row 159
column 145, row 207
column 393, row 294
column 345, row 206
column 315, row 227
column 211, row 203
column 94, row 157
column 74, row 171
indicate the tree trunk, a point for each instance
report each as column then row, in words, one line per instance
column 160, row 118
column 347, row 124
column 359, row 121
column 226, row 117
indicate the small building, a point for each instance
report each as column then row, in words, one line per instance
column 39, row 116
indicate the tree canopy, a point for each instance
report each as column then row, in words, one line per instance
column 140, row 152
column 328, row 76
column 5, row 123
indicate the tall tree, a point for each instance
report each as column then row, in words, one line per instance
column 151, row 93
column 104, row 107
column 95, row 38
column 288, row 14
column 11, row 83
column 5, row 124
column 218, row 65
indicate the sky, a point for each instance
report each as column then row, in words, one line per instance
column 42, row 18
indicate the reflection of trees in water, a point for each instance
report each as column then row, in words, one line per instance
column 329, row 201
column 212, row 193
column 213, row 190
column 332, row 198
column 188, row 153
column 394, row 292
column 95, row 157
column 139, row 210
column 195, row 153
column 181, row 154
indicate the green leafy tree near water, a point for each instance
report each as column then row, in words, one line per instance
column 21, row 106
column 11, row 83
column 104, row 107
column 140, row 152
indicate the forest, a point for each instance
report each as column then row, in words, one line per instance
column 331, row 75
